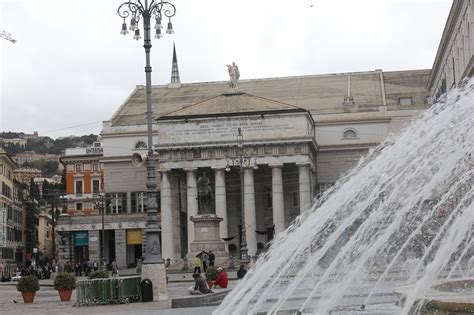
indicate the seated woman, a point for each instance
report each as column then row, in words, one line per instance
column 200, row 285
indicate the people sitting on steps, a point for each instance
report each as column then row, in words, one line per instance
column 200, row 285
column 222, row 279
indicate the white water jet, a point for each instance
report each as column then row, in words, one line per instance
column 408, row 203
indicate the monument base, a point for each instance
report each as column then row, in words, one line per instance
column 157, row 274
column 207, row 238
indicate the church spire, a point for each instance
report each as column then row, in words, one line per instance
column 174, row 69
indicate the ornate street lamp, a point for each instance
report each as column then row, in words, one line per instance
column 146, row 10
column 240, row 162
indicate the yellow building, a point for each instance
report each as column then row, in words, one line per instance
column 45, row 235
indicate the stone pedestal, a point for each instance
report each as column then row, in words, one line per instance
column 157, row 274
column 207, row 237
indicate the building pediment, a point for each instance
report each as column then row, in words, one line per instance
column 231, row 104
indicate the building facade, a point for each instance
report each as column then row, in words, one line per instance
column 45, row 235
column 12, row 213
column 81, row 232
column 304, row 132
column 454, row 60
column 24, row 175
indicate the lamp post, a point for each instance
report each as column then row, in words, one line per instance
column 240, row 162
column 136, row 10
column 54, row 216
column 99, row 203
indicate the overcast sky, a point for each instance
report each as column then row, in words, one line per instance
column 71, row 69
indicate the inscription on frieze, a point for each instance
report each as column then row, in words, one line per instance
column 227, row 129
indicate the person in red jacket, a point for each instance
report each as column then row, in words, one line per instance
column 222, row 279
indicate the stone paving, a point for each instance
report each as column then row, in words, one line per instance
column 47, row 301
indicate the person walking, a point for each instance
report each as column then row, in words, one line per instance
column 114, row 269
column 212, row 258
column 197, row 265
column 139, row 266
column 205, row 260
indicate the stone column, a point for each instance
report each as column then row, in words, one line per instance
column 221, row 202
column 167, row 241
column 305, row 187
column 121, row 248
column 94, row 245
column 192, row 202
column 250, row 214
column 277, row 198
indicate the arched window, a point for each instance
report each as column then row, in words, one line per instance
column 349, row 134
column 140, row 144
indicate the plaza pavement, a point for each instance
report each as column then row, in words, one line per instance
column 47, row 300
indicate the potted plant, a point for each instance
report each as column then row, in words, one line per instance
column 99, row 274
column 211, row 276
column 28, row 286
column 65, row 283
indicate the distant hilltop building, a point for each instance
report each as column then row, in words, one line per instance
column 31, row 156
column 15, row 141
column 33, row 136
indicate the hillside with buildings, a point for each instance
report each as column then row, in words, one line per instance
column 34, row 153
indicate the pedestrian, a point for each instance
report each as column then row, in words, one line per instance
column 212, row 258
column 114, row 268
column 222, row 279
column 139, row 265
column 241, row 272
column 95, row 265
column 89, row 267
column 197, row 265
column 205, row 260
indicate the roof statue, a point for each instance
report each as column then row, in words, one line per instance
column 234, row 75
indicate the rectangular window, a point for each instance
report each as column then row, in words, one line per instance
column 79, row 206
column 116, row 203
column 78, row 187
column 95, row 186
column 79, row 168
column 138, row 202
column 95, row 167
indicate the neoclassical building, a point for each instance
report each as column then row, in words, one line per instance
column 304, row 131
column 455, row 57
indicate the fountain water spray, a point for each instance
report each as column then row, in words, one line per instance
column 404, row 214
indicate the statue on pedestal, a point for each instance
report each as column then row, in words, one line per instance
column 205, row 195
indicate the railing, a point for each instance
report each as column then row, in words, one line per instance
column 117, row 290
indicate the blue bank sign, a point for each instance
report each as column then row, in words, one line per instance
column 81, row 238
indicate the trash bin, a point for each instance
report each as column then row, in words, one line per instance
column 147, row 290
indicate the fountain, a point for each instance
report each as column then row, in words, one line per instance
column 403, row 215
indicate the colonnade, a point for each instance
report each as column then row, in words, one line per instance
column 170, row 235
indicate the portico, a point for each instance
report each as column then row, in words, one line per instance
column 199, row 139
